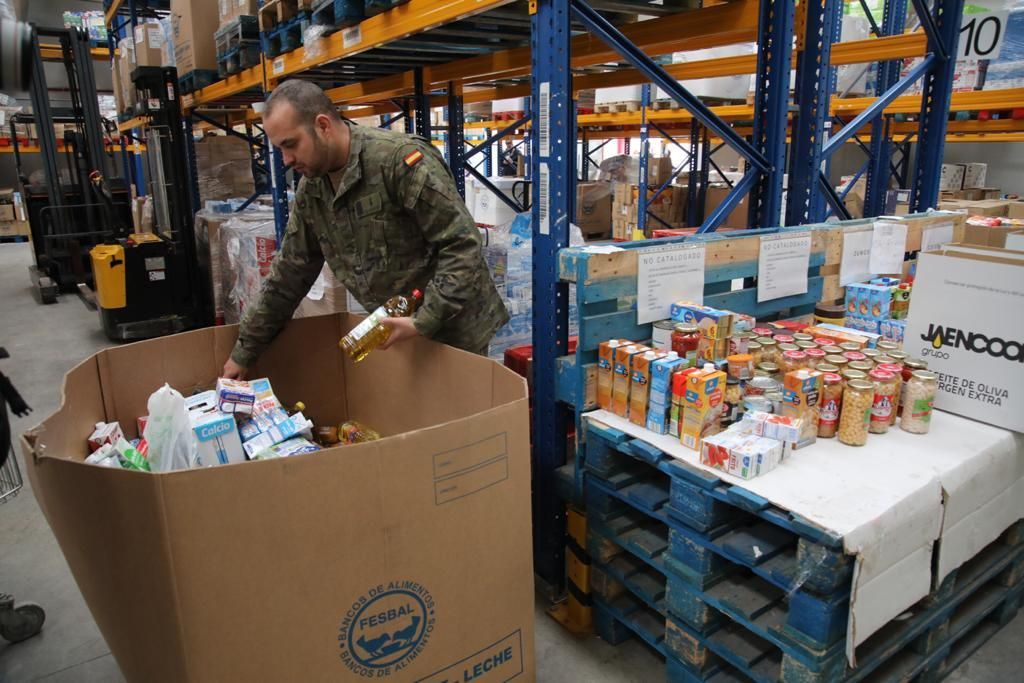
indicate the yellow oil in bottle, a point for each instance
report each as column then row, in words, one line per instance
column 353, row 431
column 369, row 334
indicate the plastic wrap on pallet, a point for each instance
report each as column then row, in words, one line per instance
column 623, row 93
column 247, row 245
column 1007, row 71
column 508, row 251
column 856, row 79
column 620, row 169
column 721, row 87
column 313, row 40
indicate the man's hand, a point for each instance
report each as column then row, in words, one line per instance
column 233, row 370
column 401, row 328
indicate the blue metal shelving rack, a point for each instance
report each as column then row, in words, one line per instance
column 810, row 194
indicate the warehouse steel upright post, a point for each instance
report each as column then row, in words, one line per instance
column 942, row 26
column 894, row 17
column 554, row 191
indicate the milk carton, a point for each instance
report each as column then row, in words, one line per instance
column 703, row 407
column 216, row 435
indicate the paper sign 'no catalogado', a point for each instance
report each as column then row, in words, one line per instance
column 888, row 244
column 666, row 274
column 782, row 265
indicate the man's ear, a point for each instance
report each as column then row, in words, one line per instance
column 322, row 123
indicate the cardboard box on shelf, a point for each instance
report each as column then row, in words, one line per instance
column 738, row 217
column 594, row 208
column 14, row 229
column 392, row 538
column 974, row 175
column 987, row 207
column 193, row 23
column 149, row 42
column 951, row 177
column 6, row 212
column 988, row 236
column 1015, row 210
column 224, row 167
column 897, row 202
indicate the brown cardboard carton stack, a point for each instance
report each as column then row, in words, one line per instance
column 225, row 168
column 232, row 9
column 716, row 194
column 303, row 568
column 594, row 209
column 192, row 29
column 12, row 221
column 669, row 207
column 148, row 44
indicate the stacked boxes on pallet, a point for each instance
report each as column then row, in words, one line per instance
column 282, row 24
column 195, row 51
column 238, row 45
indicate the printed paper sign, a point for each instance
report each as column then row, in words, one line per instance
column 782, row 265
column 888, row 244
column 934, row 236
column 855, row 265
column 666, row 274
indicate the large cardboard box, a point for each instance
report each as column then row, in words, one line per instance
column 407, row 558
column 149, row 42
column 594, row 208
column 988, row 235
column 963, row 327
column 974, row 175
column 229, row 9
column 1015, row 210
column 987, row 207
column 951, row 177
column 6, row 212
column 193, row 23
column 738, row 217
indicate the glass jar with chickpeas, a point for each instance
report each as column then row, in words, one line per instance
column 858, row 396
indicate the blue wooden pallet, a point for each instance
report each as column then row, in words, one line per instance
column 338, row 14
column 13, row 239
column 286, row 36
column 240, row 31
column 375, row 7
column 196, row 80
column 238, row 59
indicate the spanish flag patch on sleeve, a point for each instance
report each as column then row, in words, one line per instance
column 413, row 158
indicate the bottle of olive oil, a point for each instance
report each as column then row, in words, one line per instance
column 369, row 334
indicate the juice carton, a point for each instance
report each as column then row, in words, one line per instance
column 605, row 363
column 661, row 375
column 713, row 323
column 705, row 404
column 678, row 399
column 105, row 433
column 620, row 380
column 800, row 396
column 639, row 386
column 710, row 350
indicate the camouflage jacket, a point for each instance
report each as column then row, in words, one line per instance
column 396, row 223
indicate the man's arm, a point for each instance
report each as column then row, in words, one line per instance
column 295, row 268
column 426, row 190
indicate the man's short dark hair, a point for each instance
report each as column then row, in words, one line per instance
column 308, row 100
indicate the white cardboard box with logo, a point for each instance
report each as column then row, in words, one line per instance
column 965, row 320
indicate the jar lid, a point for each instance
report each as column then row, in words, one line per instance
column 898, row 355
column 833, row 349
column 887, row 345
column 784, row 339
column 851, row 374
column 665, row 324
column 861, row 365
column 768, row 367
column 881, row 375
column 890, row 367
column 753, row 346
column 802, row 336
column 830, row 310
column 883, row 358
column 860, row 385
column 794, row 355
column 832, row 378
column 815, row 353
column 824, row 341
column 871, row 353
column 757, row 403
column 850, row 346
column 805, row 345
column 915, row 364
column 742, row 334
column 766, row 341
column 827, row 368
column 788, row 347
column 763, row 331
column 925, row 376
column 687, row 328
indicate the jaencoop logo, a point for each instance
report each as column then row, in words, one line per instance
column 976, row 342
column 386, row 628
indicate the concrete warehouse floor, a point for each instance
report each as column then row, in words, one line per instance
column 46, row 341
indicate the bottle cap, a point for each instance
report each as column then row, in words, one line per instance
column 709, row 367
column 417, row 294
column 672, row 355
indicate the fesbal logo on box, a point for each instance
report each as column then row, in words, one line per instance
column 386, row 628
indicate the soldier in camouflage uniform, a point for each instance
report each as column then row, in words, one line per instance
column 382, row 209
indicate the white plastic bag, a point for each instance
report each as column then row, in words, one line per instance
column 169, row 432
